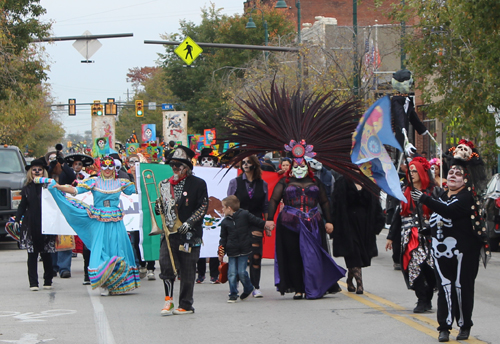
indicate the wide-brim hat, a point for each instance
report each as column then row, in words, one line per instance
column 182, row 154
column 85, row 159
column 37, row 162
column 205, row 153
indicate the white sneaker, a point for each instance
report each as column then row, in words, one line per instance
column 104, row 291
column 257, row 293
column 151, row 275
column 142, row 272
column 34, row 288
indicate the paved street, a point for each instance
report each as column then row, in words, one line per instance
column 73, row 313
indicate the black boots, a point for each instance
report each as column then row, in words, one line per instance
column 463, row 334
column 356, row 273
column 422, row 306
column 444, row 336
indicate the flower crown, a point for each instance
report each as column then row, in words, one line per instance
column 467, row 143
column 422, row 161
column 435, row 161
column 300, row 150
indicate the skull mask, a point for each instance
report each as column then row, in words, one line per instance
column 462, row 152
column 207, row 162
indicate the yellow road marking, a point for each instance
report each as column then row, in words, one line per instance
column 406, row 319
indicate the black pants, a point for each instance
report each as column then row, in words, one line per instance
column 213, row 264
column 33, row 268
column 255, row 261
column 424, row 284
column 186, row 268
column 460, row 308
column 396, row 248
column 86, row 260
column 150, row 264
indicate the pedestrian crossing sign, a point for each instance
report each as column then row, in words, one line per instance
column 188, row 50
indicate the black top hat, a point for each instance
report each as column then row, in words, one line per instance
column 181, row 154
column 85, row 159
column 402, row 75
column 205, row 153
column 37, row 162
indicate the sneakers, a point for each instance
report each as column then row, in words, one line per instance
column 243, row 296
column 181, row 311
column 151, row 275
column 143, row 271
column 168, row 307
column 34, row 288
column 65, row 274
column 214, row 280
column 104, row 291
column 47, row 287
column 257, row 293
column 397, row 266
column 232, row 299
column 200, row 279
column 86, row 281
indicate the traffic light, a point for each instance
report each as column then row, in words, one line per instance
column 97, row 108
column 111, row 107
column 139, row 108
column 72, row 107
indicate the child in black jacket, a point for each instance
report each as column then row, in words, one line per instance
column 236, row 242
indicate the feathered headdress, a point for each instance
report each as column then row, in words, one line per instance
column 320, row 124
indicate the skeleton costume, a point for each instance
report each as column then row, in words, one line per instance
column 458, row 233
column 306, row 125
column 188, row 196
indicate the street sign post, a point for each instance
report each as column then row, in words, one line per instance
column 188, row 50
column 167, row 107
column 152, row 106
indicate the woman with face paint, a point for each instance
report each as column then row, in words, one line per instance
column 412, row 225
column 436, row 172
column 31, row 237
column 251, row 191
column 112, row 264
column 303, row 264
column 458, row 233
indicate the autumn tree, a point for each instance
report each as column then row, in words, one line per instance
column 453, row 52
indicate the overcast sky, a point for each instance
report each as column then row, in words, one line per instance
column 106, row 78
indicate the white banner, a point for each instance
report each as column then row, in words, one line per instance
column 217, row 191
column 54, row 222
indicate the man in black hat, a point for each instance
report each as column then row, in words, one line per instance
column 191, row 204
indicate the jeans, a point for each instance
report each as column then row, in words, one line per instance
column 64, row 260
column 238, row 269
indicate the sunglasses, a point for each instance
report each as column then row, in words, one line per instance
column 133, row 161
column 108, row 168
column 413, row 171
column 175, row 164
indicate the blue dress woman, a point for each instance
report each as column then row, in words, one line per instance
column 112, row 263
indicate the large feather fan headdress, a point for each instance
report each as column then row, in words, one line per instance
column 278, row 121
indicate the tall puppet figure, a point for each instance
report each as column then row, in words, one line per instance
column 305, row 125
column 403, row 110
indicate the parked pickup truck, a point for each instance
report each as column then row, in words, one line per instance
column 12, row 177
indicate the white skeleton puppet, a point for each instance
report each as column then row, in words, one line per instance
column 207, row 160
column 455, row 247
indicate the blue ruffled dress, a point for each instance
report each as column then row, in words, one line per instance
column 101, row 228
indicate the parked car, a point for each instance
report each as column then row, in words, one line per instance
column 492, row 207
column 12, row 177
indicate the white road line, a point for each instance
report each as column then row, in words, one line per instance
column 103, row 330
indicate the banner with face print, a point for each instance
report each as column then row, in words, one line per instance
column 148, row 133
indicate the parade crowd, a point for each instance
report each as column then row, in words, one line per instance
column 436, row 233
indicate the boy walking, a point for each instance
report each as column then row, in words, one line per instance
column 236, row 242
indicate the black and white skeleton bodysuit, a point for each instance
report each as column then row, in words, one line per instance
column 455, row 250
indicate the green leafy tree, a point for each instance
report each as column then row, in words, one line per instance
column 452, row 49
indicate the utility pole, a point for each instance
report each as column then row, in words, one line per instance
column 355, row 43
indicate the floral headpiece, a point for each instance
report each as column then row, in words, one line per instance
column 435, row 161
column 106, row 163
column 423, row 161
column 467, row 143
column 300, row 150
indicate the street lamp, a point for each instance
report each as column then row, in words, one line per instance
column 251, row 25
column 282, row 4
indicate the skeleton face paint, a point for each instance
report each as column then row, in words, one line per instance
column 101, row 143
column 462, row 152
column 299, row 171
column 455, row 178
column 433, row 171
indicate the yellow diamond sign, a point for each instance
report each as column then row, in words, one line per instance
column 188, row 50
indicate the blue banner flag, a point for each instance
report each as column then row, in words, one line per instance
column 368, row 151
